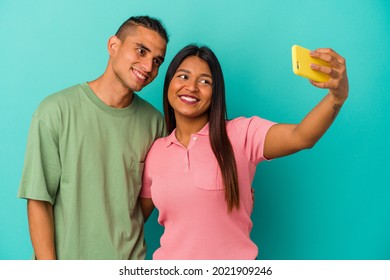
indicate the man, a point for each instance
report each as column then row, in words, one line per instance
column 85, row 154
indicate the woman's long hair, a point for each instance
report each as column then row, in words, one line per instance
column 219, row 140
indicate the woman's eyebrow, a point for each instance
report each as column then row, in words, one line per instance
column 189, row 72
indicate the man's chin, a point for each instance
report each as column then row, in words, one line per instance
column 138, row 88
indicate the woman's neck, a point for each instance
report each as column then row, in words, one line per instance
column 185, row 127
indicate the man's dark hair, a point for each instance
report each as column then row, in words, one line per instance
column 144, row 21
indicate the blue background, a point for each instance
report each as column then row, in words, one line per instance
column 330, row 202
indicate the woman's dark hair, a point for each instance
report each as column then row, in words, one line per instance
column 219, row 140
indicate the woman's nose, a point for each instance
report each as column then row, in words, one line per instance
column 192, row 86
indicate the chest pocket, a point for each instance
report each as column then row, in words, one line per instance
column 206, row 172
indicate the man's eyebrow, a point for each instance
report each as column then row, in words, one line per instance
column 142, row 46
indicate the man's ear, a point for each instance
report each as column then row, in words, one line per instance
column 113, row 44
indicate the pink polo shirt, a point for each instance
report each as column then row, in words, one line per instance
column 186, row 187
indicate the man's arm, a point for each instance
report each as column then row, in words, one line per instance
column 41, row 224
column 147, row 207
column 286, row 139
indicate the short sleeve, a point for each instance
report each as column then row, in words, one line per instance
column 251, row 134
column 42, row 168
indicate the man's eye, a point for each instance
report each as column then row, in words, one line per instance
column 157, row 62
column 141, row 51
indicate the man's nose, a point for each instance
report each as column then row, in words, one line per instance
column 147, row 64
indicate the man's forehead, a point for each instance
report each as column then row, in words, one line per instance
column 148, row 38
column 140, row 31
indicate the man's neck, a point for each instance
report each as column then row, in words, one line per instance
column 114, row 95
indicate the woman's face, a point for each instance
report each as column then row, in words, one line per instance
column 190, row 90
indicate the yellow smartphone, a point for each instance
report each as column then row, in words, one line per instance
column 301, row 61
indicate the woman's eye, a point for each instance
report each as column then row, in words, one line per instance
column 206, row 82
column 183, row 76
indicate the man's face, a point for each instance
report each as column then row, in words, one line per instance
column 137, row 59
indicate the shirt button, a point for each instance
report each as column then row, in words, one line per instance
column 195, row 138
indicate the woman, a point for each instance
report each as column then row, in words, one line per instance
column 200, row 176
